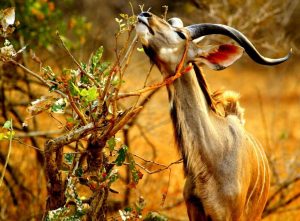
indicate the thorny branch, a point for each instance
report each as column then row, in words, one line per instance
column 178, row 73
column 41, row 79
column 75, row 108
column 76, row 62
column 164, row 167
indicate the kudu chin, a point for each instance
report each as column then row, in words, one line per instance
column 227, row 173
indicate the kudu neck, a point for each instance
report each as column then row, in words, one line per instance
column 191, row 116
column 191, row 93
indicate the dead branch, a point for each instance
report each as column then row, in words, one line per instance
column 178, row 73
column 36, row 76
column 164, row 167
column 38, row 133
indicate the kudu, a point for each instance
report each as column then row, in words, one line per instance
column 227, row 173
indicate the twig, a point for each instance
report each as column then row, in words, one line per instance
column 14, row 176
column 165, row 194
column 122, row 66
column 70, row 137
column 142, row 104
column 76, row 109
column 165, row 167
column 30, row 72
column 27, row 145
column 129, row 51
column 281, row 188
column 36, row 76
column 148, row 75
column 76, row 62
column 104, row 93
column 167, row 81
column 145, row 83
column 124, row 121
column 148, row 141
column 171, row 206
column 8, row 153
column 165, row 12
column 280, row 205
column 38, row 133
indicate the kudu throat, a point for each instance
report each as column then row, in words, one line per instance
column 191, row 107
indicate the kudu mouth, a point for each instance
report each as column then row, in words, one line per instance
column 143, row 19
column 200, row 30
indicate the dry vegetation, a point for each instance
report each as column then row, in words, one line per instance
column 270, row 96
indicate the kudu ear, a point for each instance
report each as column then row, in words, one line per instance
column 219, row 57
column 176, row 22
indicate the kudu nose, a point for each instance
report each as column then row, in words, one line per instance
column 145, row 14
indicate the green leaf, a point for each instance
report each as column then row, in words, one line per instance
column 115, row 81
column 89, row 95
column 84, row 79
column 59, row 106
column 10, row 134
column 154, row 216
column 128, row 209
column 48, row 70
column 69, row 157
column 7, row 43
column 121, row 155
column 97, row 57
column 113, row 176
column 73, row 88
column 83, row 66
column 140, row 49
column 284, row 135
column 8, row 125
column 103, row 66
column 135, row 173
column 84, row 92
column 111, row 144
column 53, row 87
column 70, row 119
column 79, row 172
column 2, row 136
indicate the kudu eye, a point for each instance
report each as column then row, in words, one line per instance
column 181, row 35
column 146, row 14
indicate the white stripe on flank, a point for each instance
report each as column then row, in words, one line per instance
column 258, row 173
column 264, row 176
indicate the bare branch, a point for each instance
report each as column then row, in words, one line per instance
column 178, row 73
column 75, row 108
column 283, row 187
column 76, row 62
column 164, row 167
column 36, row 76
column 38, row 133
column 70, row 137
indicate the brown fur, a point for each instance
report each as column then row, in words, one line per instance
column 227, row 174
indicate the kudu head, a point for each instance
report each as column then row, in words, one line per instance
column 164, row 43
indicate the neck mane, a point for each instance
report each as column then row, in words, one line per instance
column 210, row 99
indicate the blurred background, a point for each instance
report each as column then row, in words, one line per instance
column 270, row 96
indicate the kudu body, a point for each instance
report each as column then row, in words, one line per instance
column 227, row 174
